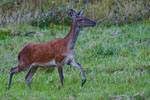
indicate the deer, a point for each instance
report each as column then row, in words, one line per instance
column 54, row 53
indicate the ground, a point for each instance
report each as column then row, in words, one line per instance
column 116, row 62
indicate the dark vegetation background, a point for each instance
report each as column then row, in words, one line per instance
column 42, row 13
column 48, row 13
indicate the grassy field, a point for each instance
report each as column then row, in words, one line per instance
column 116, row 61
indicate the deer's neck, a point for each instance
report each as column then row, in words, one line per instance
column 72, row 36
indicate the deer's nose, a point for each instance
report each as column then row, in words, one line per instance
column 94, row 24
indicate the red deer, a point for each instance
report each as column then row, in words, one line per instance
column 55, row 53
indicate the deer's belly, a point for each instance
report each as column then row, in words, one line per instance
column 51, row 63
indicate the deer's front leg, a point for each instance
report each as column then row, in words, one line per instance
column 74, row 64
column 60, row 71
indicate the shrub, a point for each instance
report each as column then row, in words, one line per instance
column 42, row 13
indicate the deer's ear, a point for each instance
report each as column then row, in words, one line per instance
column 80, row 12
column 72, row 13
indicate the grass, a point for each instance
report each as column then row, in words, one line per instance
column 116, row 66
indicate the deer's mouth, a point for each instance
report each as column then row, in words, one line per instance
column 92, row 24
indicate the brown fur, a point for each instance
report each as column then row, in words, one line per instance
column 42, row 53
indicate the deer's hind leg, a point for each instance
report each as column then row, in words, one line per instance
column 30, row 74
column 13, row 71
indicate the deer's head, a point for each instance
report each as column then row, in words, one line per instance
column 81, row 21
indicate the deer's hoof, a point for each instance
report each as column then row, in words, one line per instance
column 83, row 82
column 7, row 88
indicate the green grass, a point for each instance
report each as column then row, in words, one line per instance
column 116, row 67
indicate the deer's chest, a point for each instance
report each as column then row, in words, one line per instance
column 69, row 57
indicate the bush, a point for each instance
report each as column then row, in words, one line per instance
column 42, row 13
column 45, row 21
column 4, row 33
